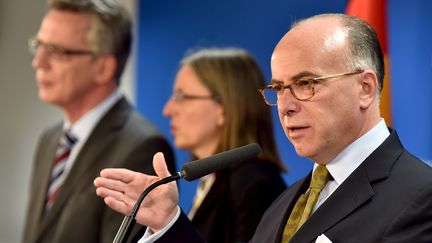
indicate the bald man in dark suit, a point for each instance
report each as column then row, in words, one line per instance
column 327, row 76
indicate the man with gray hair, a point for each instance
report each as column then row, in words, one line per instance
column 80, row 52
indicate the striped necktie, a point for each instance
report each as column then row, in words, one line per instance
column 57, row 178
column 306, row 202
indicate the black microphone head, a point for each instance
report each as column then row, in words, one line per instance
column 199, row 168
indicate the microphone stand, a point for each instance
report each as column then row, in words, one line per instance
column 129, row 221
column 190, row 171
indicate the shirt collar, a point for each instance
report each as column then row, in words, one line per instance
column 82, row 128
column 354, row 154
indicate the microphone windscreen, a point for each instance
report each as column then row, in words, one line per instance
column 199, row 168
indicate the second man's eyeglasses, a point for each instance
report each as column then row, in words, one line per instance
column 56, row 52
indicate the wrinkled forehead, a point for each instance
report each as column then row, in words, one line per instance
column 314, row 46
column 65, row 27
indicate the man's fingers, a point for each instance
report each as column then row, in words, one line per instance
column 104, row 192
column 115, row 185
column 123, row 175
column 118, row 206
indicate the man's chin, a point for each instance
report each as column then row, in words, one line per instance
column 48, row 98
column 302, row 151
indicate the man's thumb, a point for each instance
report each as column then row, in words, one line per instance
column 160, row 166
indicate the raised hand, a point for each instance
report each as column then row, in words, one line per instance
column 121, row 188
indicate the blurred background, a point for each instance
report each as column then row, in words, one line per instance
column 165, row 31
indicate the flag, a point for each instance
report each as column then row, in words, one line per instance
column 374, row 12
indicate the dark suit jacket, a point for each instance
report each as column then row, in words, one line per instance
column 388, row 198
column 237, row 200
column 122, row 138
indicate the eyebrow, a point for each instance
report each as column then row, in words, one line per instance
column 298, row 76
column 303, row 74
column 45, row 43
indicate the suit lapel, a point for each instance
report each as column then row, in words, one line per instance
column 287, row 202
column 42, row 174
column 354, row 192
column 89, row 156
column 219, row 188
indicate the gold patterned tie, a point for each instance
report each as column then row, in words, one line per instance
column 305, row 204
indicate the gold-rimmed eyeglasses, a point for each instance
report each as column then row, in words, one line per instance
column 54, row 51
column 301, row 89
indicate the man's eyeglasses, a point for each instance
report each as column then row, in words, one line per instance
column 56, row 52
column 302, row 89
column 180, row 97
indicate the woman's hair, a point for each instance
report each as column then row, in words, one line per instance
column 233, row 78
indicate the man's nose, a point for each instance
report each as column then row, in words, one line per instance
column 40, row 59
column 287, row 104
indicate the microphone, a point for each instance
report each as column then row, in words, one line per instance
column 190, row 171
column 199, row 168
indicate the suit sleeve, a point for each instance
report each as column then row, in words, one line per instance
column 181, row 231
column 414, row 223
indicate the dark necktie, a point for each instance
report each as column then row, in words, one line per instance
column 57, row 178
column 306, row 202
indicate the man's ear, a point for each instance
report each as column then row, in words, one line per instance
column 369, row 88
column 107, row 66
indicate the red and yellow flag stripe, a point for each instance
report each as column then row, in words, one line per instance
column 375, row 13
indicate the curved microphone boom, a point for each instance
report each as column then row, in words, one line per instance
column 190, row 171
